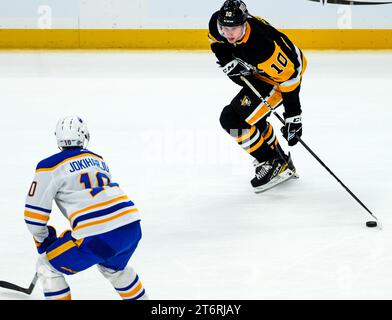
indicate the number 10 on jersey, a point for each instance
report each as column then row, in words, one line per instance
column 102, row 180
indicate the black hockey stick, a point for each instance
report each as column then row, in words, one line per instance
column 11, row 286
column 307, row 148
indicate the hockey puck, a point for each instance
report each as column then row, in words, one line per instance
column 371, row 224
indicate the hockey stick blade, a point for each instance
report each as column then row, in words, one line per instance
column 11, row 286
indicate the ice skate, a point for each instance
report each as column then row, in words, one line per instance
column 272, row 172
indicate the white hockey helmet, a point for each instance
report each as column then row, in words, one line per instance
column 71, row 131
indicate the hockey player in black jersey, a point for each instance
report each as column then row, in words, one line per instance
column 250, row 47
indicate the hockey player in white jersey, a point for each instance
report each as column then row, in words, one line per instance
column 105, row 222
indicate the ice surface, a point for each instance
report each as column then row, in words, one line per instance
column 154, row 118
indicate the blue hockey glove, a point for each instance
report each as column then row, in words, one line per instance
column 42, row 246
column 292, row 129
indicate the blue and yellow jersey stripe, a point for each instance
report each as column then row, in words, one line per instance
column 58, row 159
column 103, row 212
column 106, row 219
column 46, row 169
column 98, row 205
column 36, row 215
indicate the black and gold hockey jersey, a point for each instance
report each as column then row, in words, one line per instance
column 278, row 60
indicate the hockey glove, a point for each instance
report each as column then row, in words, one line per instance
column 234, row 69
column 292, row 129
column 42, row 246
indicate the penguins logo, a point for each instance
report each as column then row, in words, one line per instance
column 353, row 3
column 246, row 102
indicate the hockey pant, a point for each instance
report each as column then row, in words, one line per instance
column 245, row 119
column 110, row 251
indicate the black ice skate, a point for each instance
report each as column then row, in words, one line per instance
column 273, row 172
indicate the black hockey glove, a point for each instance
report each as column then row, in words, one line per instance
column 292, row 129
column 234, row 69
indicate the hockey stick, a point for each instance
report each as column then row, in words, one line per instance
column 310, row 150
column 11, row 286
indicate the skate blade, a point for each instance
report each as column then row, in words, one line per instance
column 287, row 175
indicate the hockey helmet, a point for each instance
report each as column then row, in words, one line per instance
column 71, row 131
column 232, row 13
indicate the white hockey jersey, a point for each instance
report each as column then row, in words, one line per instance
column 80, row 183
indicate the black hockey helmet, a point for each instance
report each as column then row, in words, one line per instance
column 232, row 13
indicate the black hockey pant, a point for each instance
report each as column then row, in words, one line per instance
column 245, row 119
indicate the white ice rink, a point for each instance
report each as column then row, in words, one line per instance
column 154, row 118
